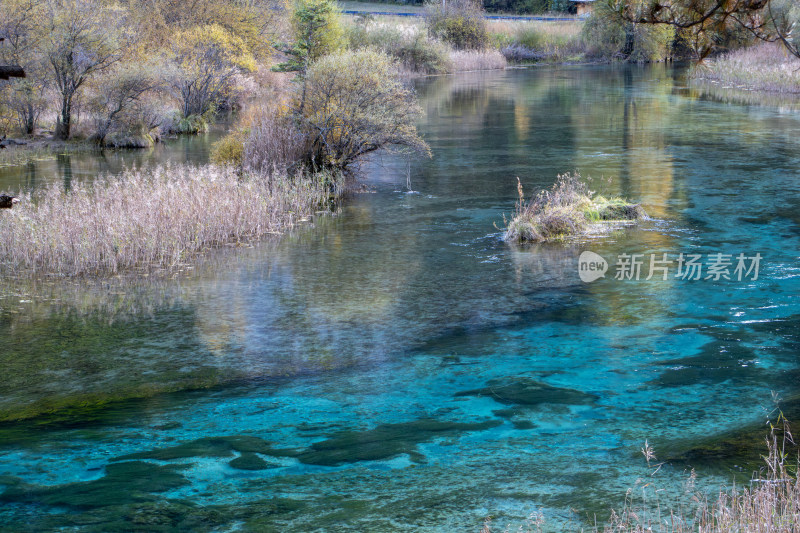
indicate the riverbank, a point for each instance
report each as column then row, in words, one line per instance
column 763, row 68
column 508, row 42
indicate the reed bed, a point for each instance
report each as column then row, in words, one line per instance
column 152, row 218
column 538, row 41
column 764, row 67
column 467, row 60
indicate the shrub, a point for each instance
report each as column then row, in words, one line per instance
column 414, row 49
column 425, row 56
column 652, row 43
column 544, row 41
column 192, row 125
column 566, row 209
column 229, row 150
column 604, row 32
column 355, row 104
column 459, row 22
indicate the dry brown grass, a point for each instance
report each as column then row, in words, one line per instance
column 764, row 67
column 158, row 217
column 467, row 60
column 770, row 504
column 564, row 210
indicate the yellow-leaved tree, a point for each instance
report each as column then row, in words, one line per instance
column 206, row 58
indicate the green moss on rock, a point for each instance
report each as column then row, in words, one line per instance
column 123, row 483
column 525, row 391
column 384, row 441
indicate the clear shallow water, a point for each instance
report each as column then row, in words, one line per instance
column 398, row 367
column 86, row 165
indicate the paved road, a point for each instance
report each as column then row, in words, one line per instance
column 490, row 17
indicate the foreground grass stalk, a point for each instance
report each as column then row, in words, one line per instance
column 152, row 218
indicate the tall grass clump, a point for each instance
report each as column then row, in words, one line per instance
column 467, row 60
column 551, row 41
column 770, row 504
column 273, row 141
column 566, row 209
column 764, row 67
column 153, row 218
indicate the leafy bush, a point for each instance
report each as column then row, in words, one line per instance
column 192, row 125
column 356, row 104
column 604, row 32
column 413, row 48
column 553, row 41
column 317, row 31
column 459, row 22
column 652, row 43
column 424, row 55
column 229, row 150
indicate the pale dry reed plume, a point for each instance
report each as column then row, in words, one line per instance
column 770, row 504
column 765, row 67
column 468, row 60
column 155, row 217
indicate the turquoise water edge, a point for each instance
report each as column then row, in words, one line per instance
column 396, row 366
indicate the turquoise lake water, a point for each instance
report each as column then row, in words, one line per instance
column 398, row 367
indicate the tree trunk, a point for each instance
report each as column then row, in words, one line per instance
column 64, row 124
column 630, row 36
column 30, row 119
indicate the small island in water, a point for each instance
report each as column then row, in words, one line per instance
column 567, row 209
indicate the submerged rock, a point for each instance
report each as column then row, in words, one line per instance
column 384, row 441
column 526, row 391
column 250, row 461
column 744, row 447
column 123, row 483
column 210, row 447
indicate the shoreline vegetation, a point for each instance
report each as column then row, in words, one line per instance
column 154, row 217
column 568, row 209
column 763, row 68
